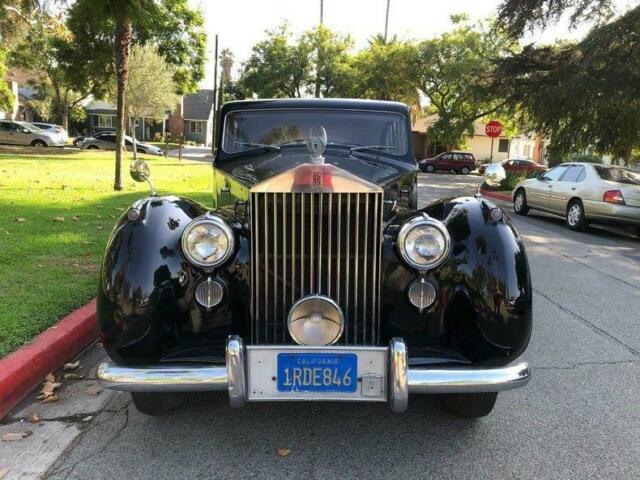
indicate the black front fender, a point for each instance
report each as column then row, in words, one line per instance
column 483, row 311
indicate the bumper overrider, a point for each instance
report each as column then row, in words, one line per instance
column 250, row 374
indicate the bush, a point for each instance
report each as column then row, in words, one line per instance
column 513, row 179
column 158, row 137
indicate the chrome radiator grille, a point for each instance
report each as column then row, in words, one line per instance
column 316, row 243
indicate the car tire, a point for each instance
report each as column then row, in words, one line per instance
column 574, row 217
column 156, row 404
column 92, row 147
column 520, row 202
column 430, row 169
column 77, row 143
column 465, row 170
column 38, row 143
column 470, row 405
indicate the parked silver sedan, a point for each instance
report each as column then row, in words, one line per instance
column 583, row 193
column 23, row 133
column 52, row 128
column 107, row 141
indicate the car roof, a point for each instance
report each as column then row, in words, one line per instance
column 328, row 103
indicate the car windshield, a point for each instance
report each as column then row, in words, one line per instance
column 617, row 174
column 382, row 132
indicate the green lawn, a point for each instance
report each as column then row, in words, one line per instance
column 57, row 208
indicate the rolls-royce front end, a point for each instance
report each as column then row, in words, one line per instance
column 315, row 277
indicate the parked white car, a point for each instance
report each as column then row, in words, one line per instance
column 23, row 133
column 52, row 128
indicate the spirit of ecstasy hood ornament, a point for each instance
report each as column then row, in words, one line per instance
column 316, row 143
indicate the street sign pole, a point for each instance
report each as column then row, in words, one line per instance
column 493, row 129
column 491, row 157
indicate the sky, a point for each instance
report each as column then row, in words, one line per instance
column 242, row 23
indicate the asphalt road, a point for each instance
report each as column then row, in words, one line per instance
column 579, row 417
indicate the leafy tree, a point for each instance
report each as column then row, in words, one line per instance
column 453, row 71
column 333, row 73
column 517, row 16
column 103, row 32
column 40, row 51
column 151, row 86
column 278, row 67
column 6, row 95
column 385, row 70
column 582, row 96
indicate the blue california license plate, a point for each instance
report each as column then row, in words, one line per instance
column 317, row 372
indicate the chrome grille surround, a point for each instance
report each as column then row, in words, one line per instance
column 316, row 239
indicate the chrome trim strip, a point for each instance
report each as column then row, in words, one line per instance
column 293, row 248
column 347, row 316
column 160, row 378
column 364, row 271
column 302, row 214
column 339, row 242
column 266, row 266
column 320, row 221
column 330, row 218
column 398, row 384
column 284, row 263
column 275, row 264
column 236, row 378
column 468, row 380
column 254, row 254
column 375, row 273
column 312, row 242
column 355, row 264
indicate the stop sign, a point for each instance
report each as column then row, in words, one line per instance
column 493, row 128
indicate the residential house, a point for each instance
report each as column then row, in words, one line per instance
column 17, row 80
column 193, row 118
column 483, row 147
column 102, row 115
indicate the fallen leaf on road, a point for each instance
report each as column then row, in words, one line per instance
column 21, row 220
column 72, row 376
column 34, row 419
column 69, row 367
column 3, row 472
column 283, row 452
column 49, row 387
column 50, row 378
column 50, row 398
column 15, row 436
column 94, row 390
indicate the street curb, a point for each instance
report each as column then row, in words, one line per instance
column 497, row 196
column 24, row 369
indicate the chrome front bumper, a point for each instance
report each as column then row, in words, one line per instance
column 401, row 380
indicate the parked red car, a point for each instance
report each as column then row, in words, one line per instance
column 460, row 162
column 517, row 165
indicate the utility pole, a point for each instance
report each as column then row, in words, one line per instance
column 386, row 22
column 215, row 98
column 321, row 12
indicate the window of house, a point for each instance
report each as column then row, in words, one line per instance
column 105, row 121
column 197, row 127
column 503, row 145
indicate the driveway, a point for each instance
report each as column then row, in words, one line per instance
column 578, row 418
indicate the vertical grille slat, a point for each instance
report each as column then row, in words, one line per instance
column 315, row 243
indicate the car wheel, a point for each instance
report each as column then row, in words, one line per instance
column 520, row 202
column 156, row 404
column 430, row 169
column 38, row 144
column 470, row 405
column 465, row 170
column 92, row 147
column 575, row 218
column 76, row 143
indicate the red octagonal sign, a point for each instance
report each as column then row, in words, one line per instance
column 493, row 128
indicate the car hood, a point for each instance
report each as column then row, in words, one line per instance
column 253, row 169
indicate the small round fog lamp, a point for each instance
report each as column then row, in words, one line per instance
column 315, row 321
column 422, row 294
column 209, row 293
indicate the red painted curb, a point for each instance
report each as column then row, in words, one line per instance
column 497, row 196
column 22, row 370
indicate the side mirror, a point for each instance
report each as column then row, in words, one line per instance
column 139, row 171
column 494, row 175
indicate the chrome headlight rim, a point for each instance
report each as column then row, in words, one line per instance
column 309, row 298
column 419, row 221
column 219, row 222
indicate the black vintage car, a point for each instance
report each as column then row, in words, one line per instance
column 315, row 276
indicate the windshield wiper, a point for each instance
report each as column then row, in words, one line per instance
column 273, row 148
column 372, row 147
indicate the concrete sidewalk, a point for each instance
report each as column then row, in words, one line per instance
column 201, row 154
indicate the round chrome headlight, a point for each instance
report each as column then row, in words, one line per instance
column 424, row 242
column 208, row 241
column 315, row 321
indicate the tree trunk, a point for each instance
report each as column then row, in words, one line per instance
column 121, row 56
column 628, row 155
